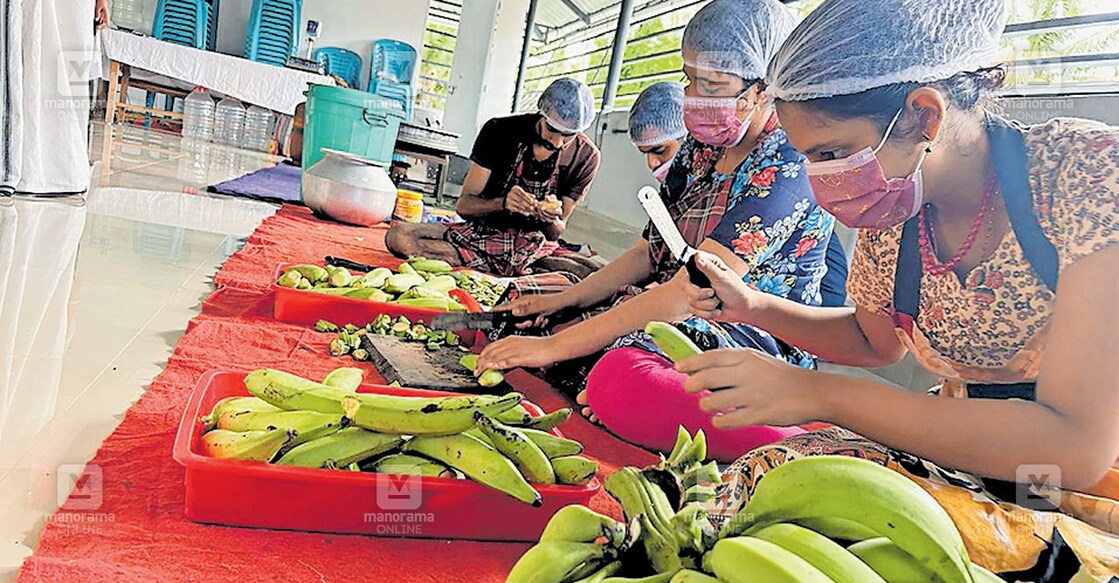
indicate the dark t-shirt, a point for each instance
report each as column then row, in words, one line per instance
column 499, row 141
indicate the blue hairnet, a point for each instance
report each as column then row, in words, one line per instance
column 850, row 46
column 568, row 105
column 736, row 36
column 658, row 115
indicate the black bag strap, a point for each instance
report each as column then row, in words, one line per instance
column 1009, row 148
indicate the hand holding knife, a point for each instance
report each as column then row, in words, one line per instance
column 654, row 207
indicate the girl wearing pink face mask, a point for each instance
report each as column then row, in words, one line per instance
column 745, row 199
column 988, row 250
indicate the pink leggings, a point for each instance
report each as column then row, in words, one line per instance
column 640, row 397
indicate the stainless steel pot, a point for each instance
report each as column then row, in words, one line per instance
column 349, row 189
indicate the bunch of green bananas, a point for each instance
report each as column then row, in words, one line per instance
column 823, row 519
column 493, row 440
column 419, row 283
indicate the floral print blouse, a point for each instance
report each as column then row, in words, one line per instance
column 990, row 327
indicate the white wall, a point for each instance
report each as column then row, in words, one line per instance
column 468, row 71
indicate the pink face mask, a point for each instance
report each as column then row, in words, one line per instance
column 661, row 172
column 714, row 120
column 855, row 189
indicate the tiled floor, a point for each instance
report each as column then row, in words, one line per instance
column 94, row 295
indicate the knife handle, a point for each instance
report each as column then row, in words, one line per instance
column 695, row 274
column 339, row 262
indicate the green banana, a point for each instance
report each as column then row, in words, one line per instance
column 683, row 440
column 823, row 553
column 428, row 265
column 422, row 292
column 704, row 474
column 865, row 492
column 347, row 378
column 406, row 268
column 838, row 528
column 602, row 573
column 425, row 303
column 675, row 345
column 369, row 293
column 257, row 446
column 342, row 277
column 401, row 282
column 548, row 422
column 658, row 578
column 308, row 425
column 524, row 453
column 422, row 416
column 690, row 576
column 748, row 559
column 579, row 524
column 312, row 272
column 478, row 461
column 239, row 404
column 345, row 447
column 290, row 278
column 293, row 393
column 556, row 561
column 440, row 284
column 574, row 470
column 699, row 493
column 691, row 527
column 410, row 465
column 639, row 500
column 984, row 576
column 553, row 445
column 375, row 278
column 694, row 452
column 890, row 562
column 489, row 378
column 520, row 417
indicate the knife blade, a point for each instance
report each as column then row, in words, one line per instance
column 348, row 264
column 658, row 213
column 476, row 320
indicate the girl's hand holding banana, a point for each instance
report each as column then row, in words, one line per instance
column 520, row 351
column 748, row 387
column 728, row 299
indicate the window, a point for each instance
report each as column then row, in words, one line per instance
column 1062, row 46
column 438, row 53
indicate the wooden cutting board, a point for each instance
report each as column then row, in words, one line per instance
column 412, row 365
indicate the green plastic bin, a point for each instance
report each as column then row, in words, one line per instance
column 351, row 121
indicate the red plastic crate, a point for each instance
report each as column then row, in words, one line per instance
column 241, row 493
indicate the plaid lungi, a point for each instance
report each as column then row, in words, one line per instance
column 504, row 252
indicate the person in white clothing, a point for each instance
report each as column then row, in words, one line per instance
column 47, row 58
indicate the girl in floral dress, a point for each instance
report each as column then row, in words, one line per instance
column 987, row 250
column 746, row 199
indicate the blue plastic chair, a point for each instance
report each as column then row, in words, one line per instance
column 393, row 62
column 342, row 62
column 182, row 22
column 272, row 36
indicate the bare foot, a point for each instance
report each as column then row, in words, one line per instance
column 581, row 399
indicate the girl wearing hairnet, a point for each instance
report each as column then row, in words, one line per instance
column 746, row 200
column 989, row 251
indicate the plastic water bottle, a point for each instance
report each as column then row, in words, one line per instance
column 258, row 129
column 198, row 115
column 229, row 122
column 128, row 14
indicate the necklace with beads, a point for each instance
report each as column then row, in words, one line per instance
column 926, row 243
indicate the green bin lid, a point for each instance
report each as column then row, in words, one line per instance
column 356, row 98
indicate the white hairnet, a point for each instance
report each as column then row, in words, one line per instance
column 850, row 46
column 736, row 36
column 568, row 105
column 658, row 115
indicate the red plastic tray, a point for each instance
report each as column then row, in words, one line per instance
column 241, row 493
column 306, row 307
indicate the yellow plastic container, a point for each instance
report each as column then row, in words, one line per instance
column 409, row 206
